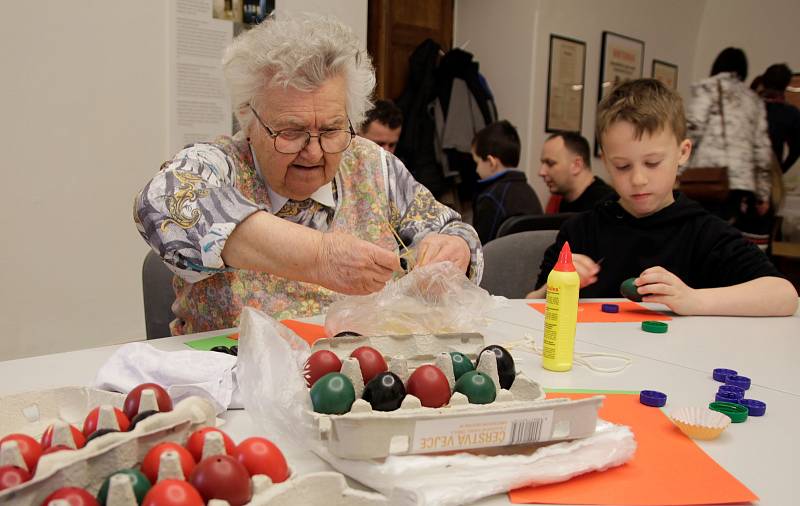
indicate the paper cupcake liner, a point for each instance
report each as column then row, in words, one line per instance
column 700, row 423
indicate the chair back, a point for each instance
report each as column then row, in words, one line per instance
column 158, row 296
column 527, row 222
column 511, row 263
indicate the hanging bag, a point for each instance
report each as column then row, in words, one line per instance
column 708, row 184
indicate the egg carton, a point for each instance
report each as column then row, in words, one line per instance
column 32, row 412
column 519, row 415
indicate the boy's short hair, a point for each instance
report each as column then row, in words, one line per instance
column 647, row 104
column 777, row 77
column 500, row 140
column 577, row 145
column 385, row 112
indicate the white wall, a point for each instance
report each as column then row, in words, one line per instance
column 353, row 13
column 83, row 100
column 512, row 44
column 766, row 30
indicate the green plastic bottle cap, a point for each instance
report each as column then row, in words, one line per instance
column 736, row 412
column 655, row 327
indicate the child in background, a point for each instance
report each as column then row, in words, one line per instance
column 503, row 191
column 681, row 256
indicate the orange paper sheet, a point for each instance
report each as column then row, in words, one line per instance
column 668, row 467
column 590, row 312
column 310, row 332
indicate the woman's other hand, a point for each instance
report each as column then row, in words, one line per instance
column 349, row 265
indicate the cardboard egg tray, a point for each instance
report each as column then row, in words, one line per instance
column 30, row 413
column 518, row 416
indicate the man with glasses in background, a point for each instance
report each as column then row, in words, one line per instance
column 295, row 209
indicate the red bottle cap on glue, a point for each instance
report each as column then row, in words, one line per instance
column 564, row 263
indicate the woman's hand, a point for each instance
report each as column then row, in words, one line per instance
column 657, row 284
column 440, row 248
column 586, row 268
column 348, row 265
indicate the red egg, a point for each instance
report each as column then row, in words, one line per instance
column 57, row 448
column 152, row 460
column 90, row 424
column 370, row 361
column 73, row 495
column 320, row 363
column 30, row 449
column 222, row 477
column 261, row 456
column 196, row 441
column 131, row 406
column 429, row 384
column 11, row 476
column 77, row 437
column 172, row 493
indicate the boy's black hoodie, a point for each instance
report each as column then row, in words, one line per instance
column 701, row 249
column 500, row 197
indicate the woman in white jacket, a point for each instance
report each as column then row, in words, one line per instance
column 728, row 128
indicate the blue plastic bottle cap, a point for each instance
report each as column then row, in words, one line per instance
column 652, row 398
column 738, row 381
column 727, row 397
column 754, row 407
column 722, row 374
column 609, row 308
column 732, row 389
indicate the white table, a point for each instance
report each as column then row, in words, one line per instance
column 762, row 453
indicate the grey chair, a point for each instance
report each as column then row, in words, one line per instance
column 511, row 263
column 158, row 296
column 526, row 222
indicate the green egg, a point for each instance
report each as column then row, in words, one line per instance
column 477, row 386
column 630, row 291
column 333, row 394
column 139, row 482
column 461, row 364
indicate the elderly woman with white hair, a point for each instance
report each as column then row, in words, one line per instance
column 294, row 210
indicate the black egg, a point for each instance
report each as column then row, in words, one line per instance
column 234, row 350
column 347, row 333
column 505, row 365
column 221, row 349
column 385, row 392
column 99, row 433
column 141, row 416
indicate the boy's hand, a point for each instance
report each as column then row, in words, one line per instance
column 657, row 284
column 586, row 268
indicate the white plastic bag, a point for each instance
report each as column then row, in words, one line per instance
column 435, row 298
column 271, row 360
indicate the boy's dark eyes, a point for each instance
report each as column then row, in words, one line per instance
column 622, row 167
column 652, row 165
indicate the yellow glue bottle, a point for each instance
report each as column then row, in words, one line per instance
column 561, row 313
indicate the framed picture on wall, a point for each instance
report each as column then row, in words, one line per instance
column 665, row 72
column 621, row 59
column 565, row 83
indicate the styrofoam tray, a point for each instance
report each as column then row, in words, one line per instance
column 30, row 413
column 520, row 415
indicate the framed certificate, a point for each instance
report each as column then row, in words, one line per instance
column 665, row 72
column 565, row 83
column 621, row 59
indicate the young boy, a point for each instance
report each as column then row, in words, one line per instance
column 681, row 256
column 503, row 191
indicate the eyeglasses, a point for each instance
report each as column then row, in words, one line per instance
column 291, row 141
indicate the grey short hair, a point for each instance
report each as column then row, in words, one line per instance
column 301, row 51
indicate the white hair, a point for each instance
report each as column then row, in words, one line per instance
column 301, row 51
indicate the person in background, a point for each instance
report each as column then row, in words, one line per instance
column 733, row 135
column 294, row 210
column 503, row 190
column 566, row 169
column 681, row 256
column 783, row 119
column 383, row 125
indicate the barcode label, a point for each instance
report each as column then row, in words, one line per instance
column 526, row 431
column 481, row 431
